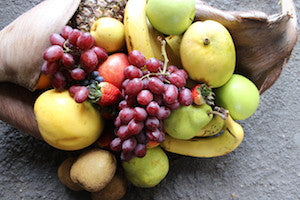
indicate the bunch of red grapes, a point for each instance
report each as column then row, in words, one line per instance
column 151, row 91
column 72, row 59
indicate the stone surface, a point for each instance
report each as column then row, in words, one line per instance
column 266, row 165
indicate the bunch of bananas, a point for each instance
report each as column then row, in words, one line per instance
column 221, row 135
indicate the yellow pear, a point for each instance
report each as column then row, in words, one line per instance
column 207, row 53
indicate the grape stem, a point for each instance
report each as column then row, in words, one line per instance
column 66, row 49
column 164, row 53
column 166, row 60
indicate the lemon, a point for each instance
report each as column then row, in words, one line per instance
column 148, row 171
column 108, row 33
column 65, row 124
column 207, row 53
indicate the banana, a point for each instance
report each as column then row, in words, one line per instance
column 154, row 41
column 174, row 42
column 136, row 28
column 210, row 147
column 213, row 127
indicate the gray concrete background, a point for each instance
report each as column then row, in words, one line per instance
column 265, row 167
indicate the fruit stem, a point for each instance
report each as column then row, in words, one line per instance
column 164, row 53
column 166, row 60
column 66, row 49
column 206, row 41
column 221, row 112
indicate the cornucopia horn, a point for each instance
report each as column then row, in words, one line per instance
column 263, row 43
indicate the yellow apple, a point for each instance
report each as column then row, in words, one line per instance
column 108, row 33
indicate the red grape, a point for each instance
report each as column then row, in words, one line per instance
column 131, row 100
column 73, row 89
column 123, row 104
column 153, row 135
column 174, row 105
column 163, row 113
column 134, row 86
column 65, row 32
column 117, row 122
column 171, row 94
column 183, row 73
column 135, row 127
column 81, row 94
column 145, row 83
column 49, row 68
column 67, row 60
column 126, row 115
column 78, row 74
column 132, row 72
column 53, row 53
column 126, row 156
column 89, row 60
column 158, row 98
column 141, row 138
column 152, row 108
column 122, row 132
column 59, row 81
column 129, row 145
column 116, row 144
column 172, row 68
column 101, row 53
column 161, row 77
column 85, row 41
column 125, row 83
column 161, row 137
column 144, row 97
column 152, row 123
column 73, row 36
column 136, row 58
column 56, row 39
column 140, row 150
column 153, row 65
column 156, row 85
column 185, row 97
column 140, row 114
column 177, row 80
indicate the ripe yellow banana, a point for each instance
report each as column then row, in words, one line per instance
column 210, row 147
column 174, row 42
column 154, row 41
column 213, row 127
column 136, row 27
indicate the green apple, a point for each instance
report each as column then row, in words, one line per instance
column 239, row 95
column 171, row 17
column 207, row 53
column 187, row 121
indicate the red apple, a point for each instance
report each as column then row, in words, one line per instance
column 112, row 69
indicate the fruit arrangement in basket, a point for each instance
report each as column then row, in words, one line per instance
column 123, row 83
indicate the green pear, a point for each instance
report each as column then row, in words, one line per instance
column 187, row 121
column 149, row 170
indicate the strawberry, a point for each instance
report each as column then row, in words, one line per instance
column 112, row 69
column 202, row 93
column 104, row 93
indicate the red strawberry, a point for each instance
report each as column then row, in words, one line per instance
column 112, row 69
column 203, row 94
column 104, row 93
